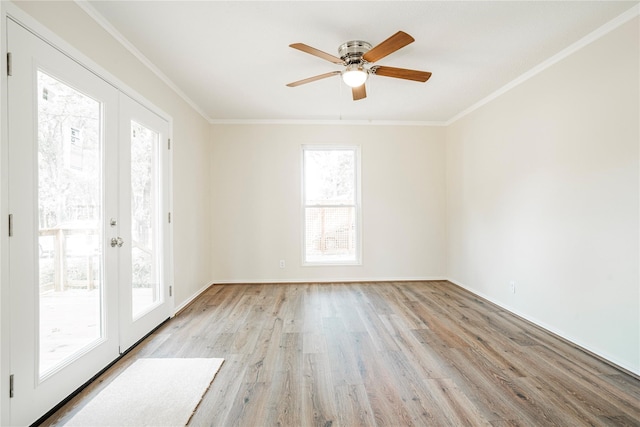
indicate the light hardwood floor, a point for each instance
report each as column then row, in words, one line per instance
column 386, row 354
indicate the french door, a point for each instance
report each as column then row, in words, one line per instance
column 87, row 204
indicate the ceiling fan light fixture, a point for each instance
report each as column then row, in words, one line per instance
column 355, row 75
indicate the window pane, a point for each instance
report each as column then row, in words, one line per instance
column 69, row 219
column 330, row 234
column 329, row 177
column 144, row 224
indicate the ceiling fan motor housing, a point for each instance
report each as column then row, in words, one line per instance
column 351, row 52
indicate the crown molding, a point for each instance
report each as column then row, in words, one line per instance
column 106, row 25
column 571, row 49
column 327, row 122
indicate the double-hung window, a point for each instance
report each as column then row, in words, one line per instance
column 331, row 205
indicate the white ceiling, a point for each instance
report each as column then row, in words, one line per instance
column 231, row 60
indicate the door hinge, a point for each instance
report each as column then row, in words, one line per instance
column 10, row 225
column 169, row 143
column 169, row 217
column 11, row 386
column 170, row 290
column 9, row 64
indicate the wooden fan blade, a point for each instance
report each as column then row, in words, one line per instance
column 390, row 45
column 313, row 79
column 402, row 73
column 359, row 92
column 316, row 52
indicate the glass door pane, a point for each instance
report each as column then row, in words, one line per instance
column 145, row 256
column 70, row 234
column 145, row 296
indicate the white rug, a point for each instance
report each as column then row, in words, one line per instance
column 150, row 392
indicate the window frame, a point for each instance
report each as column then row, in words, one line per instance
column 356, row 149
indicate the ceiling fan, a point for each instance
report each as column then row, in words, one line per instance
column 356, row 55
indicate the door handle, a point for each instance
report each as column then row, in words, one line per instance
column 117, row 241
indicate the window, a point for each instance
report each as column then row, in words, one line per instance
column 331, row 205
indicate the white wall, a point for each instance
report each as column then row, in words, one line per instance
column 190, row 136
column 256, row 218
column 542, row 189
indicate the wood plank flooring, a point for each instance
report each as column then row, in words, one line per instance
column 385, row 354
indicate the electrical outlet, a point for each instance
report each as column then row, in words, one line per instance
column 282, row 264
column 512, row 286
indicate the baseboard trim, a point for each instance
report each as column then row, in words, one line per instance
column 333, row 280
column 611, row 361
column 189, row 300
